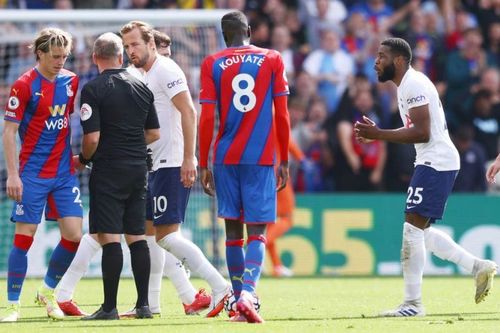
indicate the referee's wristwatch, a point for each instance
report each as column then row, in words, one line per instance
column 83, row 160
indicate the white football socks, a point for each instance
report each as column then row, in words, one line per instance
column 86, row 251
column 187, row 252
column 177, row 274
column 157, row 255
column 441, row 244
column 413, row 261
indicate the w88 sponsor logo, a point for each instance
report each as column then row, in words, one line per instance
column 57, row 124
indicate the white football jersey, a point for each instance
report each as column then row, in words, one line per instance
column 166, row 79
column 439, row 153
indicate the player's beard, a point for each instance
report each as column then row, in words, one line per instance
column 388, row 73
column 142, row 61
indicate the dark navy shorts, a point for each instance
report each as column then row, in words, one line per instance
column 428, row 192
column 247, row 191
column 166, row 197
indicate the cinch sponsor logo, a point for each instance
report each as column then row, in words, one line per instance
column 174, row 83
column 415, row 99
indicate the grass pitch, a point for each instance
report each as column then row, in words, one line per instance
column 288, row 305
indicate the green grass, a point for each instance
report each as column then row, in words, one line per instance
column 288, row 305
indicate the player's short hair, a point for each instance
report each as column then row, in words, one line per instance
column 161, row 39
column 145, row 29
column 108, row 46
column 399, row 47
column 48, row 38
column 234, row 21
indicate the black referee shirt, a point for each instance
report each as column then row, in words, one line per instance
column 120, row 107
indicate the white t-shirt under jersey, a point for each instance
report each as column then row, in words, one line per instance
column 166, row 79
column 439, row 153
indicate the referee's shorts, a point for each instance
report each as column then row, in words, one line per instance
column 117, row 197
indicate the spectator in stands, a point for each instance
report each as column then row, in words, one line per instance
column 331, row 67
column 281, row 42
column 20, row 63
column 63, row 4
column 487, row 13
column 470, row 178
column 489, row 81
column 141, row 4
column 304, row 87
column 320, row 15
column 33, row 4
column 96, row 4
column 359, row 166
column 195, row 4
column 493, row 40
column 356, row 39
column 276, row 11
column 463, row 69
column 486, row 123
column 381, row 15
column 457, row 23
column 425, row 47
column 314, row 140
column 260, row 32
column 297, row 30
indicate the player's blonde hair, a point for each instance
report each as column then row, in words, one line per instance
column 145, row 29
column 51, row 37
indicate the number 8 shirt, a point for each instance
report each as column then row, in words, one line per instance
column 243, row 81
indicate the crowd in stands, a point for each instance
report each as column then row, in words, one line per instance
column 329, row 47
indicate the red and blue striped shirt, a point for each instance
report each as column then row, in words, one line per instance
column 42, row 109
column 243, row 81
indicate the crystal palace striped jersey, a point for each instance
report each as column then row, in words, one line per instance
column 242, row 81
column 42, row 108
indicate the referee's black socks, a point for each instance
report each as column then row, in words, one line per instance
column 141, row 266
column 111, row 264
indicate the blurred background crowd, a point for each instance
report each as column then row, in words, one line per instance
column 329, row 47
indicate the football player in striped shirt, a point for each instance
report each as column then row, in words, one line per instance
column 38, row 108
column 248, row 87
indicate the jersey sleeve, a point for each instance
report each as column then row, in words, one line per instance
column 175, row 81
column 415, row 94
column 280, row 86
column 89, row 110
column 74, row 87
column 19, row 98
column 152, row 119
column 207, row 89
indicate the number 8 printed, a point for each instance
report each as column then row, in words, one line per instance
column 241, row 92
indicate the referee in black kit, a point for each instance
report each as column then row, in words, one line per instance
column 118, row 119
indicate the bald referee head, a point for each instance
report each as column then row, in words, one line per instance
column 108, row 52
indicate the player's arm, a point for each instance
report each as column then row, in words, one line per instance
column 89, row 144
column 20, row 95
column 91, row 124
column 493, row 169
column 418, row 133
column 14, row 183
column 282, row 122
column 208, row 100
column 206, row 129
column 152, row 125
column 184, row 104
